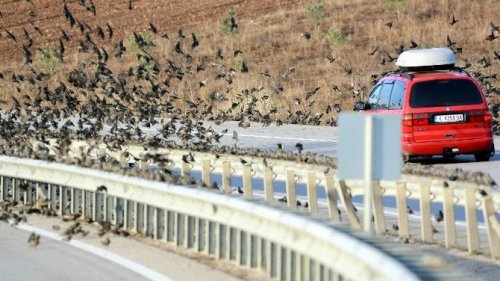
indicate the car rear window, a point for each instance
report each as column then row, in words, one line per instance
column 444, row 93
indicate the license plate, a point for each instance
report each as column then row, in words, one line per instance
column 450, row 118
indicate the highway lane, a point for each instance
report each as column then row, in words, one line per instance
column 324, row 140
column 52, row 260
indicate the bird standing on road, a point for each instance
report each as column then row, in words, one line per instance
column 34, row 239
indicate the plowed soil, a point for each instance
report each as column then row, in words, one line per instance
column 167, row 16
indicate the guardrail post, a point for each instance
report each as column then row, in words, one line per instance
column 247, row 181
column 490, row 220
column 221, row 241
column 378, row 209
column 206, row 171
column 254, row 251
column 15, row 190
column 311, row 192
column 471, row 219
column 62, row 199
column 425, row 212
column 146, row 229
column 349, row 207
column 281, row 263
column 450, row 238
column 2, row 189
column 226, row 176
column 73, row 200
column 155, row 223
column 96, row 210
column 402, row 208
column 331, row 198
column 290, row 189
column 28, row 199
column 136, row 217
column 268, row 184
column 84, row 204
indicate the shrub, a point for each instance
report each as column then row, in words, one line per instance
column 226, row 26
column 49, row 59
column 147, row 41
column 336, row 38
column 394, row 4
column 316, row 12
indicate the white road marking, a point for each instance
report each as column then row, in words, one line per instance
column 278, row 137
column 121, row 261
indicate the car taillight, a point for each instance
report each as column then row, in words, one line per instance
column 416, row 119
column 480, row 116
column 476, row 116
column 487, row 119
column 420, row 119
column 407, row 120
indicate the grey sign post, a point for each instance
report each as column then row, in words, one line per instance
column 369, row 149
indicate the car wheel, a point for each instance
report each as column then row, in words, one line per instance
column 482, row 156
column 406, row 158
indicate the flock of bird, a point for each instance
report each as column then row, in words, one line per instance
column 91, row 97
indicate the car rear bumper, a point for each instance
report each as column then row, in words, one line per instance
column 469, row 146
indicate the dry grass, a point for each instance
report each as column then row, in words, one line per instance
column 271, row 40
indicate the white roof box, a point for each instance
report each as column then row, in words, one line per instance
column 434, row 58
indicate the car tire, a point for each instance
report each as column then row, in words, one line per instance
column 482, row 156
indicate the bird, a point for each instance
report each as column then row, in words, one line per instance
column 409, row 210
column 234, row 25
column 105, row 241
column 280, row 146
column 240, row 191
column 491, row 36
column 496, row 55
column 102, row 189
column 330, row 58
column 374, row 51
column 283, row 199
column 388, row 24
column 306, row 35
column 153, row 28
column 34, row 239
column 299, row 147
column 130, row 7
column 453, row 20
column 194, row 41
column 449, row 43
column 11, row 35
column 439, row 216
column 395, row 227
column 413, row 45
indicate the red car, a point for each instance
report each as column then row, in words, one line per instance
column 444, row 110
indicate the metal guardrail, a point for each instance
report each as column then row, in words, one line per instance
column 474, row 198
column 286, row 245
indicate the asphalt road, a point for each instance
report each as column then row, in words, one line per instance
column 52, row 260
column 324, row 140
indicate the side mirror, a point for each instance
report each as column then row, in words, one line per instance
column 359, row 105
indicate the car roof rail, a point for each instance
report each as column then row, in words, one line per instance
column 400, row 73
column 462, row 70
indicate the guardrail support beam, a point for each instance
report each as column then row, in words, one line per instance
column 425, row 212
column 268, row 184
column 331, row 198
column 471, row 219
column 450, row 236
column 312, row 197
column 403, row 228
column 490, row 221
column 290, row 189
column 226, row 176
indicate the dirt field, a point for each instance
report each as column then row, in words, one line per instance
column 284, row 61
